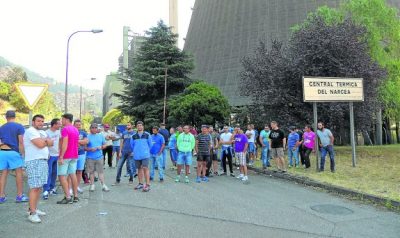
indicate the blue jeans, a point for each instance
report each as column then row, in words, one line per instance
column 51, row 180
column 156, row 160
column 164, row 157
column 293, row 153
column 325, row 150
column 130, row 166
column 265, row 156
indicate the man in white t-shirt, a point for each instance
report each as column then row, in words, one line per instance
column 53, row 133
column 226, row 140
column 109, row 136
column 36, row 143
column 251, row 135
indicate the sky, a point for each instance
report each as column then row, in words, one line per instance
column 34, row 34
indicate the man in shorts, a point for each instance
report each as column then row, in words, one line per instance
column 12, row 134
column 140, row 144
column 203, row 147
column 94, row 156
column 278, row 143
column 251, row 135
column 185, row 143
column 36, row 143
column 241, row 144
column 68, row 159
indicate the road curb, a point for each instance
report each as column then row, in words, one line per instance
column 331, row 188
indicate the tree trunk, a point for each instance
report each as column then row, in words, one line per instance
column 388, row 131
column 397, row 132
column 379, row 127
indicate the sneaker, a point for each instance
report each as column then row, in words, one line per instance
column 178, row 179
column 45, row 195
column 92, row 187
column 224, row 173
column 232, row 175
column 151, row 179
column 117, row 183
column 240, row 176
column 204, row 179
column 53, row 192
column 76, row 199
column 130, row 182
column 126, row 175
column 21, row 198
column 146, row 188
column 187, row 179
column 34, row 218
column 139, row 186
column 66, row 201
column 3, row 199
column 105, row 188
column 216, row 174
column 80, row 190
column 198, row 179
column 161, row 180
column 38, row 212
column 245, row 178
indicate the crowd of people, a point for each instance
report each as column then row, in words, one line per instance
column 68, row 152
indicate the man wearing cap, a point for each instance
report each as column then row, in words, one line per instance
column 11, row 137
column 93, row 157
column 109, row 136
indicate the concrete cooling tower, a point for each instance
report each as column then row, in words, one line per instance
column 222, row 32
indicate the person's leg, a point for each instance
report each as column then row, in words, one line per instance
column 307, row 153
column 34, row 194
column 64, row 185
column 19, row 181
column 332, row 157
column 199, row 168
column 159, row 161
column 224, row 156
column 46, row 186
column 263, row 157
column 296, row 156
column 152, row 165
column 290, row 155
column 229, row 157
column 204, row 168
column 187, row 169
column 146, row 173
column 188, row 162
column 54, row 173
column 120, row 164
column 3, row 182
column 140, row 175
column 323, row 151
column 110, row 155
column 164, row 158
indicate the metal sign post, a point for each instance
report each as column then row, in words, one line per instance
column 352, row 139
column 315, row 112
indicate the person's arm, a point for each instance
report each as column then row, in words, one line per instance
column 121, row 144
column 41, row 143
column 162, row 146
column 192, row 141
column 196, row 146
column 21, row 145
column 64, row 144
column 331, row 137
column 260, row 139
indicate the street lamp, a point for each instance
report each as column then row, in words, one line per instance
column 66, row 71
column 165, row 93
column 80, row 103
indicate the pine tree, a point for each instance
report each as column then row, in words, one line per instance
column 144, row 89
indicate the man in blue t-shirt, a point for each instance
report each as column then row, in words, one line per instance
column 292, row 144
column 126, row 155
column 83, row 141
column 264, row 141
column 11, row 137
column 156, row 151
column 94, row 157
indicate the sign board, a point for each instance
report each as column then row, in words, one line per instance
column 318, row 89
column 31, row 93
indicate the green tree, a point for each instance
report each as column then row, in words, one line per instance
column 144, row 88
column 5, row 89
column 87, row 119
column 199, row 103
column 115, row 117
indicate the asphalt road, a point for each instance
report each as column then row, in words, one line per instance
column 223, row 207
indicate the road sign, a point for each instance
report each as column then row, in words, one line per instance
column 31, row 93
column 319, row 89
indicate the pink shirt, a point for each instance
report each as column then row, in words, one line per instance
column 73, row 141
column 309, row 139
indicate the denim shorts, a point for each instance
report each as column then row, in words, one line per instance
column 144, row 163
column 80, row 164
column 185, row 158
column 116, row 149
column 10, row 159
column 37, row 171
column 252, row 148
column 68, row 167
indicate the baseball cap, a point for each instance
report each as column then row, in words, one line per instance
column 93, row 125
column 10, row 114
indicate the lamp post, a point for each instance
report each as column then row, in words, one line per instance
column 84, row 103
column 66, row 70
column 165, row 93
column 80, row 101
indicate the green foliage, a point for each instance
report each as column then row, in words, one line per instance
column 47, row 107
column 200, row 103
column 144, row 90
column 86, row 120
column 5, row 89
column 115, row 117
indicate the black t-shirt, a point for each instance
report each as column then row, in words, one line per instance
column 277, row 137
column 300, row 133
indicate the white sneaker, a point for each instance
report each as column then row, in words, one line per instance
column 240, row 176
column 38, row 212
column 245, row 178
column 34, row 218
column 105, row 188
column 92, row 188
column 80, row 190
